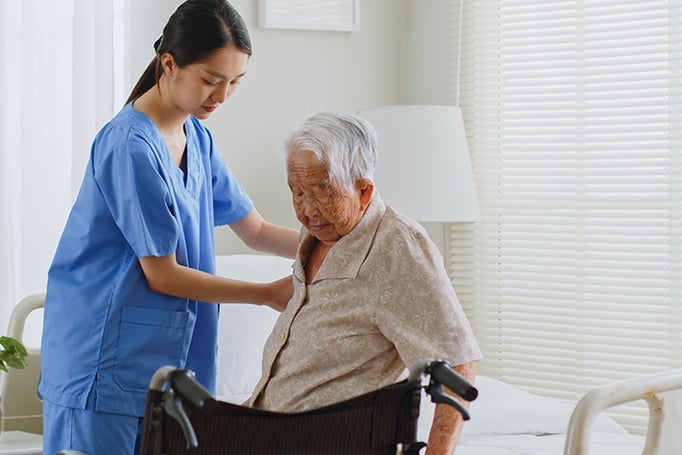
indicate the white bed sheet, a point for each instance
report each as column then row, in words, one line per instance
column 508, row 420
column 528, row 444
column 505, row 420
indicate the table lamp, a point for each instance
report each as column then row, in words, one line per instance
column 423, row 169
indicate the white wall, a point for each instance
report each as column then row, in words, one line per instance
column 401, row 54
column 431, row 65
column 430, row 37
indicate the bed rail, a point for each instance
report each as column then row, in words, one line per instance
column 663, row 394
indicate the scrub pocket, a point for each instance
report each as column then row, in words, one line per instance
column 148, row 339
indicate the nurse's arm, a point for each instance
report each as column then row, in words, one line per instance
column 165, row 276
column 261, row 235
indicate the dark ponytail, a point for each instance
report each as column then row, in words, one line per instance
column 195, row 30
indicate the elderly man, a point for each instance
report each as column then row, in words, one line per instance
column 371, row 295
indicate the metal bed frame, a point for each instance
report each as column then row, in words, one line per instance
column 663, row 394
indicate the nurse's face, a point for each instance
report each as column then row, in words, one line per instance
column 326, row 209
column 199, row 88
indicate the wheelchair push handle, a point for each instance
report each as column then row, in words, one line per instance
column 443, row 373
column 183, row 383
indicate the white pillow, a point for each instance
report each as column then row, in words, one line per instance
column 244, row 328
column 502, row 408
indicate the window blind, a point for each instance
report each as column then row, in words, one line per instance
column 573, row 112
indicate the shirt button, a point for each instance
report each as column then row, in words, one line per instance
column 283, row 338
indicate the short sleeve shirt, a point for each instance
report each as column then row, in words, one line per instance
column 103, row 326
column 380, row 301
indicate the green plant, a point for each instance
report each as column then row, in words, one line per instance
column 12, row 354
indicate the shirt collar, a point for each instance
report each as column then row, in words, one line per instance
column 345, row 258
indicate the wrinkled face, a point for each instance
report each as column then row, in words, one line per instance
column 327, row 210
column 199, row 88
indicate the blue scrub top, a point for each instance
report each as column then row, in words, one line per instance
column 103, row 326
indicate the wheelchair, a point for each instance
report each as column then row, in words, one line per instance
column 181, row 417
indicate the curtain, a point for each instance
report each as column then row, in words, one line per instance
column 572, row 279
column 57, row 67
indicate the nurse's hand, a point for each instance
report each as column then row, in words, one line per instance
column 280, row 292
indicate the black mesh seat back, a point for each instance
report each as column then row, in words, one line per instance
column 370, row 424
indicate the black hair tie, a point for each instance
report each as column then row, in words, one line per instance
column 157, row 44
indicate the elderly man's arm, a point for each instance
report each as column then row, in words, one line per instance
column 447, row 422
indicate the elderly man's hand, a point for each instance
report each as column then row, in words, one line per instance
column 280, row 292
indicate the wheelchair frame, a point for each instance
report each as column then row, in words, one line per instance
column 182, row 417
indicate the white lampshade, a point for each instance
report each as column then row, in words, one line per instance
column 424, row 170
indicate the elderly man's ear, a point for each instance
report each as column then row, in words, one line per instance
column 365, row 188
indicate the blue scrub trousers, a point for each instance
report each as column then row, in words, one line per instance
column 95, row 433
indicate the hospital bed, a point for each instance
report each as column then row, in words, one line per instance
column 505, row 420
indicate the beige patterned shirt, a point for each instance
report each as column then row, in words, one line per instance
column 380, row 301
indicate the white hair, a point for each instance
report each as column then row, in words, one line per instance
column 345, row 143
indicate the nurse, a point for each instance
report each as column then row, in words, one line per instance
column 132, row 284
